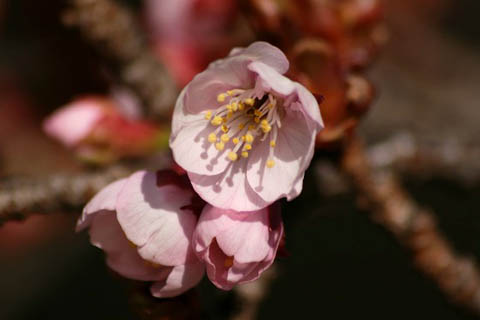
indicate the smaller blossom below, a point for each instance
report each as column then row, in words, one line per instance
column 245, row 133
column 144, row 224
column 237, row 246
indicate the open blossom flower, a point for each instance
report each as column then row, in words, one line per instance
column 237, row 246
column 145, row 224
column 244, row 132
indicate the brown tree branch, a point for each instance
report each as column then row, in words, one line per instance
column 114, row 30
column 415, row 227
column 407, row 153
column 20, row 198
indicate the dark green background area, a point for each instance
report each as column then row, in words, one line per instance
column 341, row 265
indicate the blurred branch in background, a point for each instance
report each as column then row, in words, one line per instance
column 415, row 227
column 20, row 198
column 114, row 30
column 408, row 154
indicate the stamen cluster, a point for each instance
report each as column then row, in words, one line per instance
column 243, row 119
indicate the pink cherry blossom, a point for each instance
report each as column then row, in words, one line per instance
column 237, row 246
column 74, row 122
column 144, row 224
column 102, row 129
column 245, row 133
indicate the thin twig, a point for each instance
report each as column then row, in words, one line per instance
column 21, row 197
column 407, row 153
column 415, row 227
column 114, row 30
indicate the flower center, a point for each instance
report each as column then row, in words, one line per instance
column 242, row 120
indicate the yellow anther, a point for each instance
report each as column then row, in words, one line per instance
column 243, row 138
column 230, row 92
column 235, row 140
column 228, row 262
column 249, row 138
column 234, row 106
column 270, row 106
column 265, row 126
column 256, row 119
column 251, row 127
column 270, row 163
column 224, row 128
column 212, row 138
column 224, row 137
column 241, row 106
column 232, row 156
column 221, row 97
column 208, row 115
column 250, row 101
column 229, row 107
column 258, row 113
column 229, row 114
column 273, row 143
column 247, row 147
column 217, row 120
column 241, row 126
column 245, row 154
column 220, row 146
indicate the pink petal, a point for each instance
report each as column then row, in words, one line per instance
column 74, row 122
column 240, row 234
column 192, row 151
column 181, row 118
column 297, row 188
column 152, row 218
column 228, row 190
column 273, row 81
column 214, row 259
column 229, row 73
column 251, row 239
column 179, row 280
column 310, row 106
column 292, row 155
column 266, row 53
column 122, row 257
column 106, row 199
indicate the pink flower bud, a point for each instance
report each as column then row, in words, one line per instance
column 74, row 122
column 102, row 129
column 144, row 224
column 237, row 246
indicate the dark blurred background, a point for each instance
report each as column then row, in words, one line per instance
column 341, row 265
